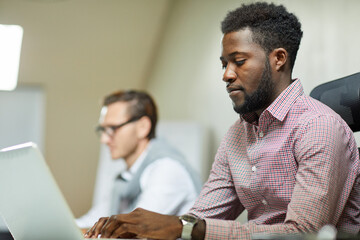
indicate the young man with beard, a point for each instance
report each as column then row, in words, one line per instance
column 289, row 160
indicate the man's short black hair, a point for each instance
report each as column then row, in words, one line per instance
column 272, row 26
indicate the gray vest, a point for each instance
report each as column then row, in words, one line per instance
column 126, row 193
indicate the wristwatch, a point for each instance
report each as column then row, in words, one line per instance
column 188, row 222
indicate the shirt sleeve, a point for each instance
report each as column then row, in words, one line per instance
column 327, row 168
column 92, row 216
column 167, row 188
column 218, row 198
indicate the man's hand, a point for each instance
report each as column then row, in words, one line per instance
column 139, row 223
column 95, row 230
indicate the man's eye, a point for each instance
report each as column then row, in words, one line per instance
column 224, row 66
column 239, row 63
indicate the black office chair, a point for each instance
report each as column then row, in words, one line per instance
column 343, row 96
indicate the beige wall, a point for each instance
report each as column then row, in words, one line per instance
column 79, row 50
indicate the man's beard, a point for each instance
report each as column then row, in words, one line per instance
column 261, row 98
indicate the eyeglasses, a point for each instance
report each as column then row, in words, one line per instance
column 110, row 130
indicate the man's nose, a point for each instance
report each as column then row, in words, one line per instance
column 104, row 138
column 229, row 74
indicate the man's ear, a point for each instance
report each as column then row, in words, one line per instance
column 143, row 127
column 280, row 56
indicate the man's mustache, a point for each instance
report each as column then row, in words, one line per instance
column 233, row 87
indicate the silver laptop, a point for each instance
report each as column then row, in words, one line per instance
column 31, row 203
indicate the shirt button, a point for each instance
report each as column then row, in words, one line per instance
column 253, row 168
column 264, row 202
column 261, row 134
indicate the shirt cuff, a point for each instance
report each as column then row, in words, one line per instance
column 225, row 229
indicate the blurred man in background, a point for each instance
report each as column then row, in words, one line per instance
column 157, row 176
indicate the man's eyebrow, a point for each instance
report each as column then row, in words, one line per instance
column 222, row 58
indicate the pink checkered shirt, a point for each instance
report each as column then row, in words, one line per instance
column 294, row 170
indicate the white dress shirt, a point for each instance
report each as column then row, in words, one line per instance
column 166, row 188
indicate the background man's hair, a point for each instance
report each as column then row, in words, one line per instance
column 140, row 104
column 272, row 26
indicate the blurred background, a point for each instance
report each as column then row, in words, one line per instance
column 76, row 51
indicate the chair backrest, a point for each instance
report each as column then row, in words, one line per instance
column 343, row 96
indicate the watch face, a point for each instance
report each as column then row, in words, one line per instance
column 189, row 218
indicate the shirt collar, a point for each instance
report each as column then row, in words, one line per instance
column 282, row 104
column 277, row 108
column 128, row 173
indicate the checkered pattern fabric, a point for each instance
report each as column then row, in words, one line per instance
column 294, row 169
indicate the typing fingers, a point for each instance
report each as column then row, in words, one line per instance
column 96, row 229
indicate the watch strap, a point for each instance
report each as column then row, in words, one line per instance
column 188, row 222
column 187, row 230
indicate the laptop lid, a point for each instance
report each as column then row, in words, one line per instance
column 30, row 201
